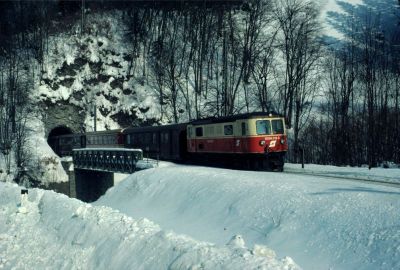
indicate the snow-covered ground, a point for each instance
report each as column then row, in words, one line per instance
column 184, row 217
column 321, row 224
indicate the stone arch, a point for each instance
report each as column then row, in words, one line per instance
column 57, row 131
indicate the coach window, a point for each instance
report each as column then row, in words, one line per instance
column 199, row 132
column 263, row 127
column 228, row 130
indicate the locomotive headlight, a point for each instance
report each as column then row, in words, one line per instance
column 282, row 140
column 262, row 142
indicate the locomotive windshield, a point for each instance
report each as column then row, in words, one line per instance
column 263, row 127
column 277, row 126
column 267, row 127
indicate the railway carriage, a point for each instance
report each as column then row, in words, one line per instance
column 159, row 142
column 62, row 145
column 109, row 138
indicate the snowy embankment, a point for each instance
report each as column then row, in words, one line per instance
column 47, row 230
column 321, row 224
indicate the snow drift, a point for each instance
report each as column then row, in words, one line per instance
column 46, row 230
column 321, row 223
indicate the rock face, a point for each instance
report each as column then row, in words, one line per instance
column 65, row 115
column 92, row 70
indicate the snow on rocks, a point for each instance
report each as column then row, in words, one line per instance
column 56, row 232
column 91, row 69
column 236, row 241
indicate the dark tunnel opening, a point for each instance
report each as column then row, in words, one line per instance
column 60, row 130
column 57, row 131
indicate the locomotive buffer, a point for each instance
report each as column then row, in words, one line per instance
column 119, row 160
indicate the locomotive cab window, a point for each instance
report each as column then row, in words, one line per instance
column 277, row 126
column 263, row 127
column 228, row 130
column 199, row 132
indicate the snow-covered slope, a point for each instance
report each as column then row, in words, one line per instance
column 320, row 223
column 46, row 230
column 240, row 220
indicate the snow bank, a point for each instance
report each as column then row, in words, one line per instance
column 46, row 164
column 320, row 223
column 46, row 230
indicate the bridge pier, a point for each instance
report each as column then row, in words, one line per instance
column 86, row 185
column 91, row 171
column 90, row 185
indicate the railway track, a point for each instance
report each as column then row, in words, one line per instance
column 346, row 178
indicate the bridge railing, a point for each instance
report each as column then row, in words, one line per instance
column 107, row 159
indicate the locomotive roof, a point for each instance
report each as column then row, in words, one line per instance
column 235, row 117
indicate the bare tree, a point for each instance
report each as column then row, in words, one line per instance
column 299, row 27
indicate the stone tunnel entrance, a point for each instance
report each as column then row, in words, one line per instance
column 60, row 130
column 57, row 131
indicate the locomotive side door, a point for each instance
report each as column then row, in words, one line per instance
column 199, row 141
column 241, row 143
column 229, row 138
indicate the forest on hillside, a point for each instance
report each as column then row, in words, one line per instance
column 340, row 95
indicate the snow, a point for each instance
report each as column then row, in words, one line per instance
column 45, row 164
column 91, row 62
column 48, row 163
column 45, row 230
column 192, row 217
column 320, row 223
column 189, row 217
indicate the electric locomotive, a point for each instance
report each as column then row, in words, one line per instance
column 252, row 140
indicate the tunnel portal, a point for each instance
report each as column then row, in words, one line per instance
column 52, row 140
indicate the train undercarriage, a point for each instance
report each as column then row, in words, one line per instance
column 257, row 162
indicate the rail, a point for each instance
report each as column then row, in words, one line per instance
column 347, row 178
